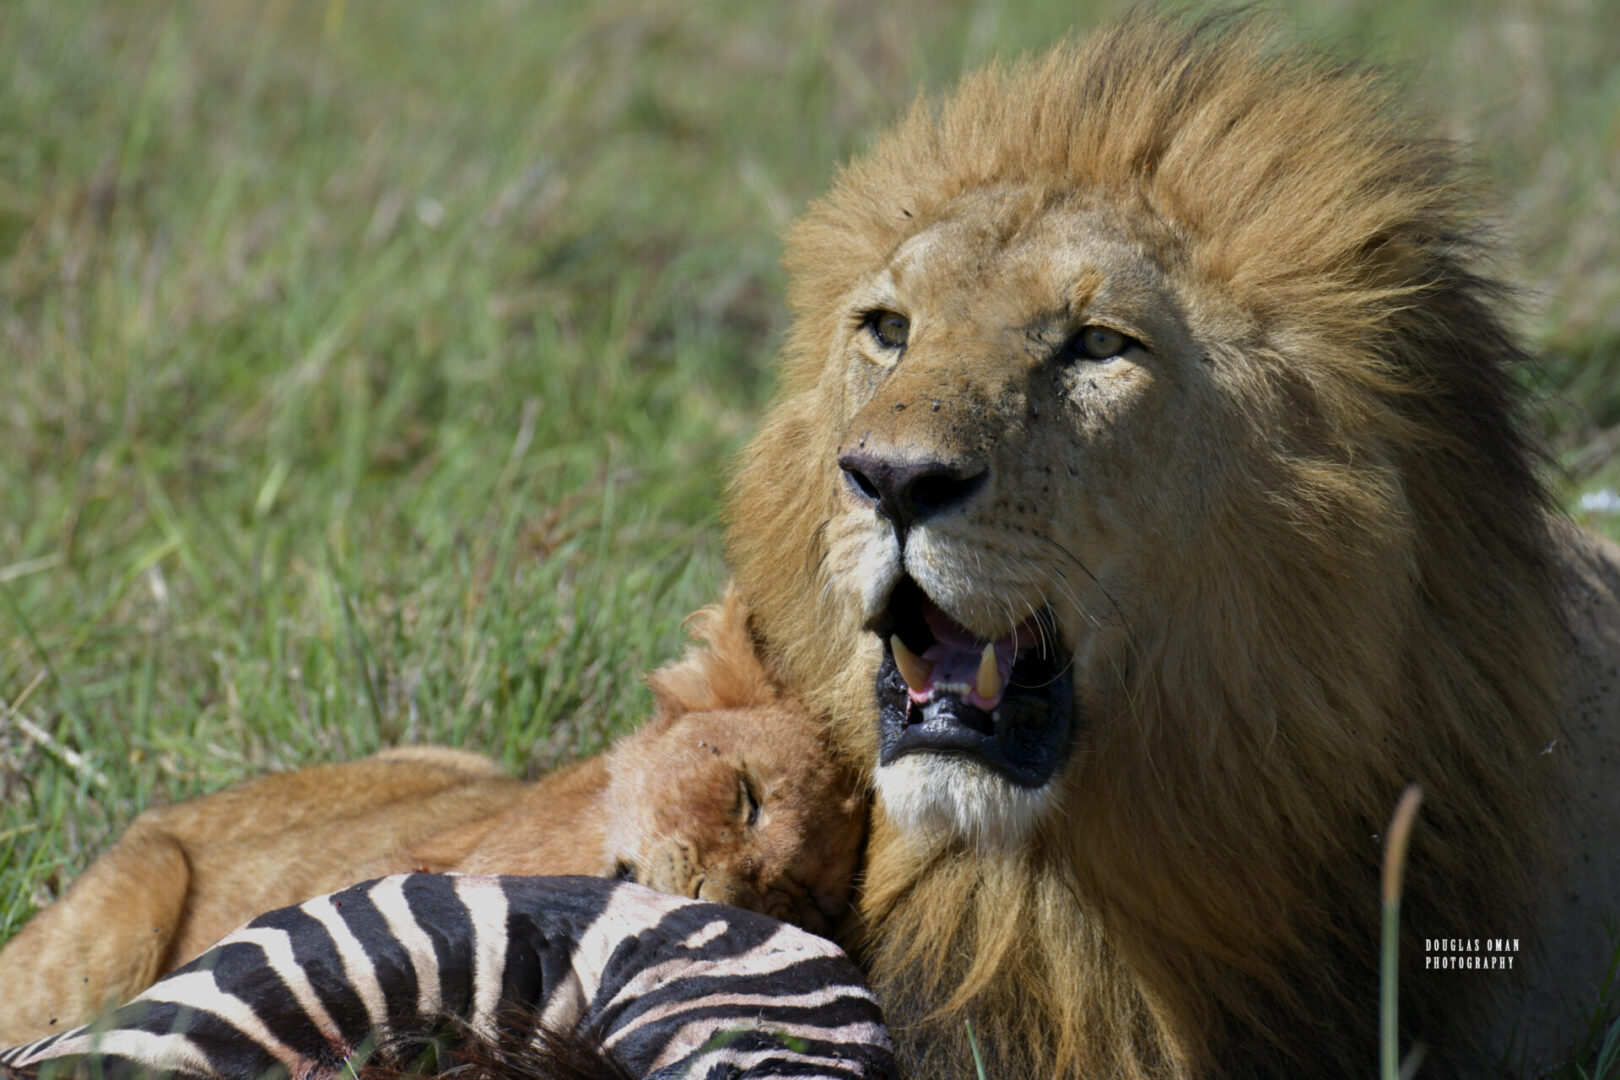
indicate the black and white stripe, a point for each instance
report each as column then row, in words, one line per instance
column 668, row 986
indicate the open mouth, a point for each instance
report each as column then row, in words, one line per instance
column 940, row 689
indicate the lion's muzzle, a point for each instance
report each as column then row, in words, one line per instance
column 905, row 490
column 1005, row 703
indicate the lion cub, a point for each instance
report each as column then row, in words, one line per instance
column 728, row 793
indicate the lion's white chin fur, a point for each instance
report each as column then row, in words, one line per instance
column 935, row 795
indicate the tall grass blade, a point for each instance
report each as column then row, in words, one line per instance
column 1396, row 839
column 973, row 1044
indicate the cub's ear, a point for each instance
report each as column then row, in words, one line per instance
column 724, row 672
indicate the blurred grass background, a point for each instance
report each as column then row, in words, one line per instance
column 368, row 373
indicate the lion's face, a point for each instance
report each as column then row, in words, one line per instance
column 1022, row 417
column 739, row 806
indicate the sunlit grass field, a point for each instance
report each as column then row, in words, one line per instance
column 369, row 373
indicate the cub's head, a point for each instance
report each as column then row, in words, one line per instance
column 1141, row 413
column 731, row 793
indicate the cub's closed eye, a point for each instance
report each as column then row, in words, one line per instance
column 1097, row 344
column 747, row 802
column 889, row 328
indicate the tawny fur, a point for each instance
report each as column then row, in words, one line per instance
column 1297, row 546
column 728, row 793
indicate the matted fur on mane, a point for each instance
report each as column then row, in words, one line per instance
column 1339, row 574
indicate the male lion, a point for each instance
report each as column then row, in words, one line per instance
column 1147, row 500
column 727, row 794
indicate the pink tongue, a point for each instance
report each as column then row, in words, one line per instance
column 955, row 656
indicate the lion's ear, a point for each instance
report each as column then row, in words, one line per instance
column 675, row 689
column 723, row 672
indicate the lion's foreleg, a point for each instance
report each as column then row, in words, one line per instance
column 100, row 944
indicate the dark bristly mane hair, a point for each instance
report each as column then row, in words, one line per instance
column 521, row 1051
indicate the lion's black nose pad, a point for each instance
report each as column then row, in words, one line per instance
column 908, row 491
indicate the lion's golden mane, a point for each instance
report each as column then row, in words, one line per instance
column 1375, row 604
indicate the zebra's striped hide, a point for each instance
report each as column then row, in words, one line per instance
column 669, row 987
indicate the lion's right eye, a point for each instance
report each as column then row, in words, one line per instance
column 890, row 328
column 1098, row 344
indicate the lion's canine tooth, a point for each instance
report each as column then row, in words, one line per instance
column 989, row 681
column 913, row 668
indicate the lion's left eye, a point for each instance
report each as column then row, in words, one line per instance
column 1095, row 343
column 891, row 328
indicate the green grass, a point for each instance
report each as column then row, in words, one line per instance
column 368, row 373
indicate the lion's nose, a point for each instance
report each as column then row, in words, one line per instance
column 906, row 492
